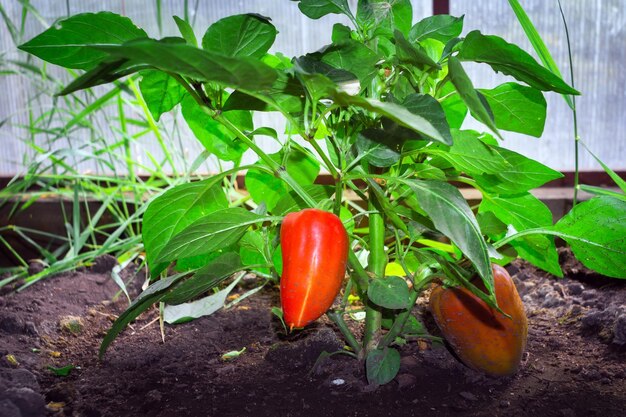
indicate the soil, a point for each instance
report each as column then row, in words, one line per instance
column 575, row 363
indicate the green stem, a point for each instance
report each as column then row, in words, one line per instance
column 278, row 170
column 376, row 265
column 573, row 106
column 401, row 319
column 337, row 318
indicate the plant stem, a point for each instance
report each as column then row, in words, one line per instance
column 337, row 318
column 278, row 170
column 376, row 265
column 401, row 319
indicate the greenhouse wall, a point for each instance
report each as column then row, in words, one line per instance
column 32, row 122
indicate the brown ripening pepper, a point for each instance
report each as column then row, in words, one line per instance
column 315, row 253
column 483, row 338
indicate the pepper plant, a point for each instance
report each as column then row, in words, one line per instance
column 380, row 109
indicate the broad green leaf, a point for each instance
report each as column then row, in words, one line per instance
column 470, row 96
column 103, row 73
column 412, row 53
column 470, row 155
column 441, row 27
column 205, row 278
column 160, row 92
column 186, row 31
column 264, row 187
column 523, row 174
column 209, row 233
column 153, row 294
column 176, row 209
column 517, row 108
column 395, row 112
column 535, row 39
column 286, row 94
column 341, row 33
column 181, row 313
column 252, row 250
column 66, row 42
column 596, row 231
column 524, row 212
column 315, row 9
column 200, row 65
column 240, row 35
column 377, row 148
column 382, row 365
column 511, row 60
column 453, row 217
column 389, row 292
column 353, row 57
column 293, row 202
column 213, row 135
column 385, row 15
column 429, row 108
column 453, row 106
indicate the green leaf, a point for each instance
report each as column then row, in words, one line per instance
column 596, row 231
column 452, row 216
column 412, row 53
column 174, row 210
column 511, row 60
column 240, row 35
column 63, row 371
column 341, row 33
column 616, row 178
column 252, row 250
column 389, row 292
column 181, row 313
column 517, row 108
column 161, row 92
column 211, row 232
column 470, row 96
column 264, row 187
column 354, row 57
column 521, row 175
column 453, row 106
column 144, row 301
column 103, row 73
column 535, row 39
column 395, row 112
column 377, row 148
column 440, row 27
column 470, row 155
column 65, row 42
column 214, row 136
column 314, row 9
column 385, row 15
column 293, row 202
column 186, row 31
column 382, row 365
column 205, row 278
column 200, row 65
column 524, row 212
column 429, row 108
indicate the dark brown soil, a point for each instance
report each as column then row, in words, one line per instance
column 575, row 364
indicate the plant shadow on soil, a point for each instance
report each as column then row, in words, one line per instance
column 575, row 363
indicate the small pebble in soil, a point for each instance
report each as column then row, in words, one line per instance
column 406, row 381
column 619, row 331
column 338, row 381
column 575, row 288
column 71, row 324
column 468, row 396
column 552, row 299
column 504, row 404
column 588, row 294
